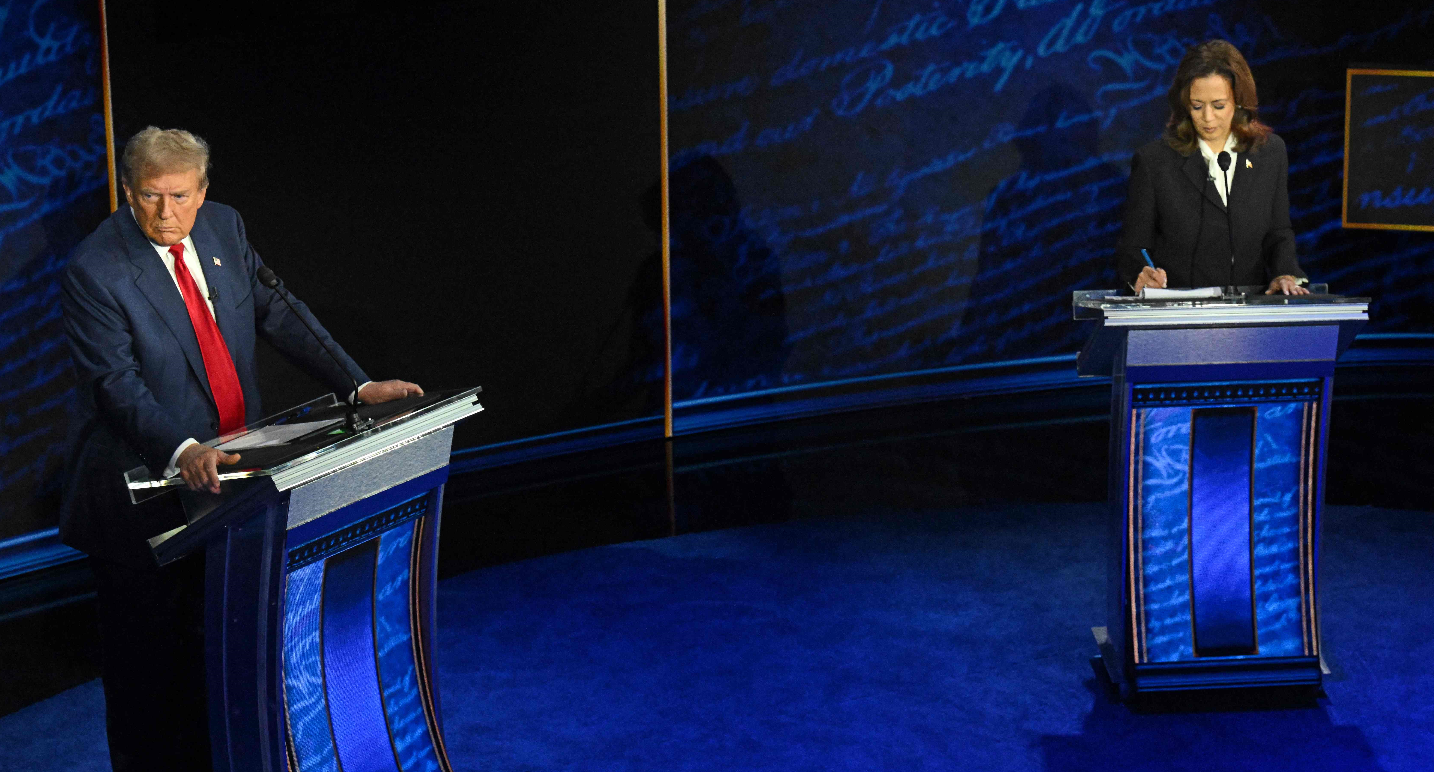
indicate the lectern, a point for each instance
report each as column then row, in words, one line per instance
column 320, row 559
column 1219, row 413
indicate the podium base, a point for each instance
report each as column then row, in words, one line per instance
column 1238, row 672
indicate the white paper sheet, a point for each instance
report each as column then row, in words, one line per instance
column 1155, row 293
column 270, row 436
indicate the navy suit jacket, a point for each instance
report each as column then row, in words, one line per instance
column 1185, row 230
column 141, row 379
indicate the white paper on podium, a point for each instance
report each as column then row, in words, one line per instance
column 270, row 436
column 1199, row 293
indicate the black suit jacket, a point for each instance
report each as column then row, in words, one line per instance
column 1185, row 230
column 142, row 385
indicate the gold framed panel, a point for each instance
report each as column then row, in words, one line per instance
column 1344, row 194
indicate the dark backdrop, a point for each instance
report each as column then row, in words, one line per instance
column 463, row 193
column 456, row 191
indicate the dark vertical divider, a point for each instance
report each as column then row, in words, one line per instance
column 1221, row 473
column 351, row 663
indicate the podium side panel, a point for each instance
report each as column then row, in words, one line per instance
column 1319, row 444
column 1119, row 627
column 244, row 635
column 1279, row 510
column 349, row 645
column 311, row 739
column 426, row 600
column 358, row 667
column 1162, row 530
column 399, row 570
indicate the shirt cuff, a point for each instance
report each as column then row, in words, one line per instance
column 353, row 397
column 173, row 469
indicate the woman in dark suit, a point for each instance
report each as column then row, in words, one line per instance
column 1177, row 208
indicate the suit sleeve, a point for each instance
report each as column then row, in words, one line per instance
column 1279, row 242
column 102, row 346
column 1139, row 230
column 277, row 324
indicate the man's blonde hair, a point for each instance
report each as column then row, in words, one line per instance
column 155, row 151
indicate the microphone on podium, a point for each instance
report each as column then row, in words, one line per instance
column 1224, row 160
column 352, row 422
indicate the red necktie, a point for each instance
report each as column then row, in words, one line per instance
column 218, row 365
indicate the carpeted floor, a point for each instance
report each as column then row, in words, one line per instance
column 899, row 640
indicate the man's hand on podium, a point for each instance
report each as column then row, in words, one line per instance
column 199, row 466
column 385, row 391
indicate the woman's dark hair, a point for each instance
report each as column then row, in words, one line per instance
column 1215, row 57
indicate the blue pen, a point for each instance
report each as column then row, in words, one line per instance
column 1148, row 261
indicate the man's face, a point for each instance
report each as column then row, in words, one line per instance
column 165, row 205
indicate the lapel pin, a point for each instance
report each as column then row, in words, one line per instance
column 221, row 265
column 1248, row 165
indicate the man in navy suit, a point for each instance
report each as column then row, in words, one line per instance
column 162, row 309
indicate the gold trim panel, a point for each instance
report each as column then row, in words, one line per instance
column 1344, row 195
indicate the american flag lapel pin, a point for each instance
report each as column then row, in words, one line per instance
column 221, row 265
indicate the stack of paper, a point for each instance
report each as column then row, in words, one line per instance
column 1198, row 293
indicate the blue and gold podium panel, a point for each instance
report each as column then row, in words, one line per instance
column 357, row 680
column 1221, row 519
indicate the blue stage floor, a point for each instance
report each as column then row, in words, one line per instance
column 887, row 640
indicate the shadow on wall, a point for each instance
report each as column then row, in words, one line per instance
column 729, row 314
column 729, row 318
column 624, row 377
column 1048, row 230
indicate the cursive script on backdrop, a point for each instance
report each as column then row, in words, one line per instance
column 930, row 180
column 53, row 180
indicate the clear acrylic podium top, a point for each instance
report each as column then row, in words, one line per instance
column 1250, row 307
column 312, row 439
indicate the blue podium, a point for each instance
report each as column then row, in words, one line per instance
column 320, row 574
column 1219, row 413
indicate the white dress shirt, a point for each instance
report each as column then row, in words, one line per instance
column 1212, row 161
column 191, row 261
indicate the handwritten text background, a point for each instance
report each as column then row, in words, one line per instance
column 53, row 178
column 908, row 184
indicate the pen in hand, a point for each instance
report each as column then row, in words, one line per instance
column 1157, row 273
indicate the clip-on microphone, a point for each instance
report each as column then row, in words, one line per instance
column 352, row 422
column 1224, row 160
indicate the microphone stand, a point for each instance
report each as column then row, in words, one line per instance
column 1224, row 160
column 352, row 421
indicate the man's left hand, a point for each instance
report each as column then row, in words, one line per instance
column 385, row 391
column 1287, row 285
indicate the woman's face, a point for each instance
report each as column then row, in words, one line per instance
column 1212, row 106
